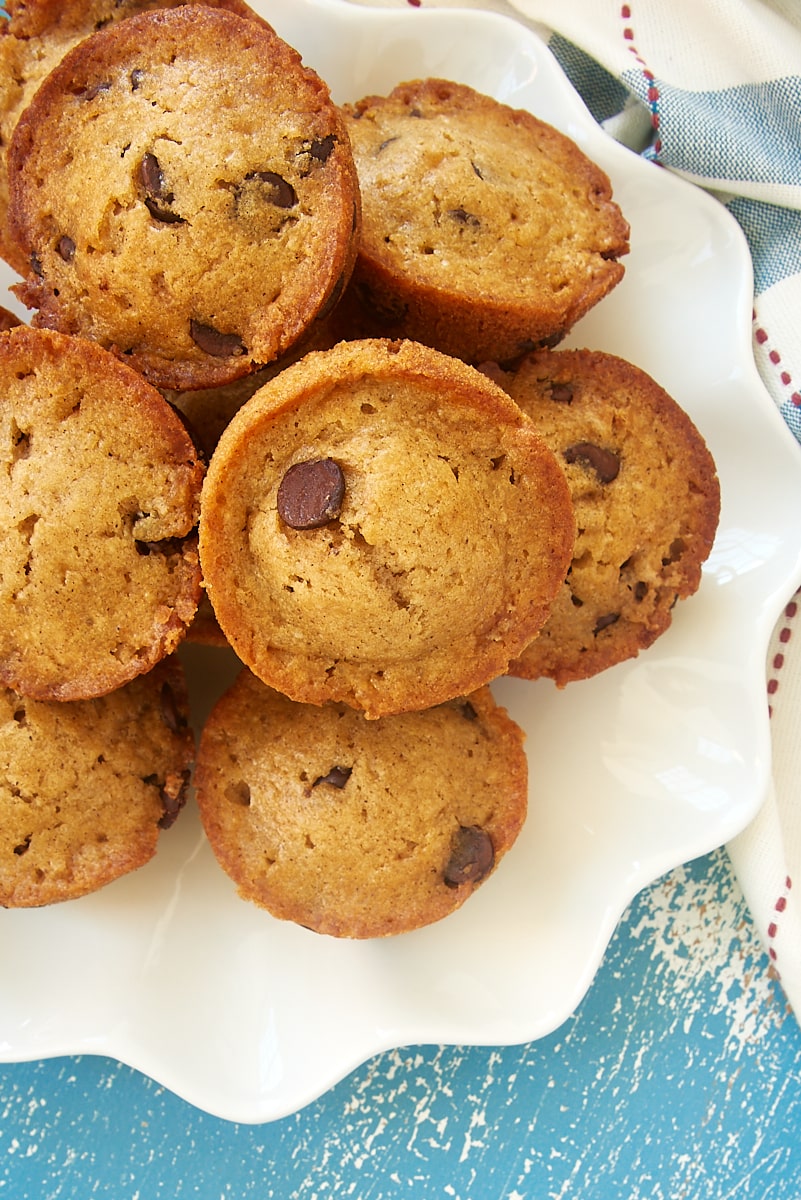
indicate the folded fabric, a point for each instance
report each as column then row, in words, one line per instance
column 713, row 92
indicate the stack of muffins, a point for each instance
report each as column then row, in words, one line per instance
column 290, row 388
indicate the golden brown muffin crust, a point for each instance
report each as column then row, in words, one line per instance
column 647, row 501
column 452, row 537
column 89, row 786
column 486, row 231
column 359, row 828
column 184, row 191
column 33, row 41
column 99, row 572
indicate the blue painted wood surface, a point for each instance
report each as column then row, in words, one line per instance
column 679, row 1076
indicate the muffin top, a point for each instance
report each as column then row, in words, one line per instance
column 647, row 501
column 380, row 524
column 34, row 39
column 358, row 828
column 99, row 573
column 185, row 195
column 486, row 230
column 88, row 787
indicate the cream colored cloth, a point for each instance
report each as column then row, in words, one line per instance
column 712, row 91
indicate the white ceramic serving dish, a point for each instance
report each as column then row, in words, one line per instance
column 651, row 764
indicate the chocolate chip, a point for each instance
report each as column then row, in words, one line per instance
column 472, row 856
column 137, row 75
column 151, row 176
column 171, row 715
column 91, row 90
column 173, row 798
column 463, row 217
column 605, row 621
column 562, row 393
column 157, row 198
column 23, row 846
column 311, row 494
column 158, row 212
column 468, row 712
column 337, row 777
column 280, row 191
column 212, row 341
column 66, row 248
column 36, row 265
column 323, row 148
column 166, row 546
column 605, row 463
column 640, row 590
column 675, row 551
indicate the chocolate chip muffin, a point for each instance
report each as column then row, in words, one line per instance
column 184, row 193
column 647, row 502
column 88, row 787
column 381, row 525
column 486, row 231
column 33, row 40
column 99, row 500
column 357, row 828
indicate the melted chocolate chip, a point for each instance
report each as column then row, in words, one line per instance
column 212, row 341
column 66, row 248
column 337, row 777
column 166, row 215
column 280, row 191
column 605, row 463
column 472, row 857
column 675, row 551
column 171, row 715
column 311, row 494
column 173, row 798
column 605, row 621
column 640, row 590
column 323, row 148
column 157, row 198
column 93, row 89
column 151, row 176
column 167, row 547
column 562, row 393
column 463, row 217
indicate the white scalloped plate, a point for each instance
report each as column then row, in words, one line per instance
column 650, row 764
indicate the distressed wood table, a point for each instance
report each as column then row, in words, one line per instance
column 678, row 1076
